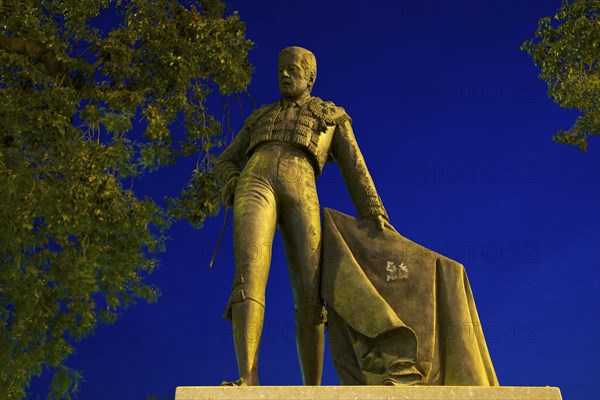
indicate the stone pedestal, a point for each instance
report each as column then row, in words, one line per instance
column 366, row 393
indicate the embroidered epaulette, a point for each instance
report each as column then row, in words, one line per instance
column 327, row 111
column 257, row 114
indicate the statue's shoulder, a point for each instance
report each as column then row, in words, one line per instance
column 258, row 113
column 328, row 111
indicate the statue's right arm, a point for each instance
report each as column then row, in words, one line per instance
column 229, row 164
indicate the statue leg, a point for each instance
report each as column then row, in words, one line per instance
column 300, row 227
column 247, row 320
column 254, row 224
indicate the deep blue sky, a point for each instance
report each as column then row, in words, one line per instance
column 456, row 131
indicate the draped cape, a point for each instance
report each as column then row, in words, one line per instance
column 398, row 313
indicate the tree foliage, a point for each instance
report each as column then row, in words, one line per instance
column 94, row 93
column 567, row 50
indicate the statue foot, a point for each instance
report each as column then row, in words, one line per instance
column 239, row 382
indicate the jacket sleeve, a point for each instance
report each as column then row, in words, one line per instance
column 362, row 190
column 233, row 158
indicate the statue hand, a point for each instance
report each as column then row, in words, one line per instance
column 383, row 223
column 228, row 191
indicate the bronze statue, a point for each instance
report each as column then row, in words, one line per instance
column 400, row 314
column 268, row 174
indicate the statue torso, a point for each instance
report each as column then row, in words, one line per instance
column 310, row 126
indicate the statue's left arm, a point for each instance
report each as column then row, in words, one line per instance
column 346, row 153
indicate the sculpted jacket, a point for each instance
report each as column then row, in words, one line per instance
column 323, row 130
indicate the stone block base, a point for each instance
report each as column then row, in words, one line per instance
column 366, row 393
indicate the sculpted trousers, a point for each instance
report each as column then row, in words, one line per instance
column 277, row 188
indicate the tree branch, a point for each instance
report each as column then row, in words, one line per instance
column 29, row 48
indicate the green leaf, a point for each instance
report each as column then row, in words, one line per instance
column 87, row 110
column 566, row 52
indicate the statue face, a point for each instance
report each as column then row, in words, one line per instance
column 293, row 81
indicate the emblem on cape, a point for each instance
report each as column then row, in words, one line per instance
column 396, row 271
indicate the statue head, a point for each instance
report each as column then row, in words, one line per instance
column 297, row 71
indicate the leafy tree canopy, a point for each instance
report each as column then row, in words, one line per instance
column 567, row 50
column 86, row 105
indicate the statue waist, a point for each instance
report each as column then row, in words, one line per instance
column 276, row 148
column 301, row 137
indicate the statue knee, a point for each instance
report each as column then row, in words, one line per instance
column 310, row 314
column 242, row 292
